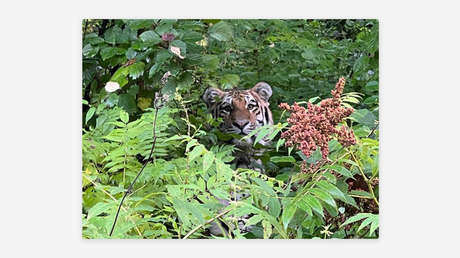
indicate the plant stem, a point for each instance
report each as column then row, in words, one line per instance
column 371, row 190
column 207, row 222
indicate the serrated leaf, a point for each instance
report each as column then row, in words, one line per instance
column 136, row 70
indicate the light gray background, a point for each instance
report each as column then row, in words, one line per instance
column 41, row 128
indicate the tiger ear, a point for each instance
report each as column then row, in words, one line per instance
column 263, row 89
column 210, row 96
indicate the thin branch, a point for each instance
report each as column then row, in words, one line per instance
column 207, row 222
column 130, row 188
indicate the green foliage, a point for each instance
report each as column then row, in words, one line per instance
column 192, row 173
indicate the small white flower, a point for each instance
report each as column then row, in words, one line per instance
column 176, row 51
column 112, row 86
column 271, row 45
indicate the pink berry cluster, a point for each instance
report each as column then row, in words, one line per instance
column 313, row 127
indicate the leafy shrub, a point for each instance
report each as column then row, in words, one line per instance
column 182, row 190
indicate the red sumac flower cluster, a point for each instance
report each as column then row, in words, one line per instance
column 313, row 127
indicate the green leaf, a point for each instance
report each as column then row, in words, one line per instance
column 254, row 220
column 282, row 159
column 124, row 116
column 374, row 224
column 262, row 133
column 229, row 81
column 314, row 204
column 341, row 170
column 150, row 37
column 136, row 70
column 355, row 218
column 90, row 51
column 90, row 114
column 98, row 209
column 288, row 214
column 324, row 196
column 180, row 44
column 120, row 76
column 372, row 86
column 208, row 160
column 303, row 205
column 279, row 143
column 196, row 152
column 364, row 116
column 331, row 189
column 365, row 222
column 109, row 52
column 221, row 31
column 210, row 62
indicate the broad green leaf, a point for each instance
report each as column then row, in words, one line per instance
column 221, row 31
column 120, row 76
column 210, row 62
column 90, row 114
column 136, row 70
column 150, row 37
column 109, row 52
column 364, row 116
column 372, row 86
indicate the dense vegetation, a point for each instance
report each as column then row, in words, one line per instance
column 175, row 196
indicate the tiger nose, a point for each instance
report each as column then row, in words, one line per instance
column 241, row 124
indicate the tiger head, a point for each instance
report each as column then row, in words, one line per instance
column 242, row 111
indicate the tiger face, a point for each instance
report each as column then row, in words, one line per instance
column 242, row 111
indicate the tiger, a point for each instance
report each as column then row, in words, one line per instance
column 242, row 111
